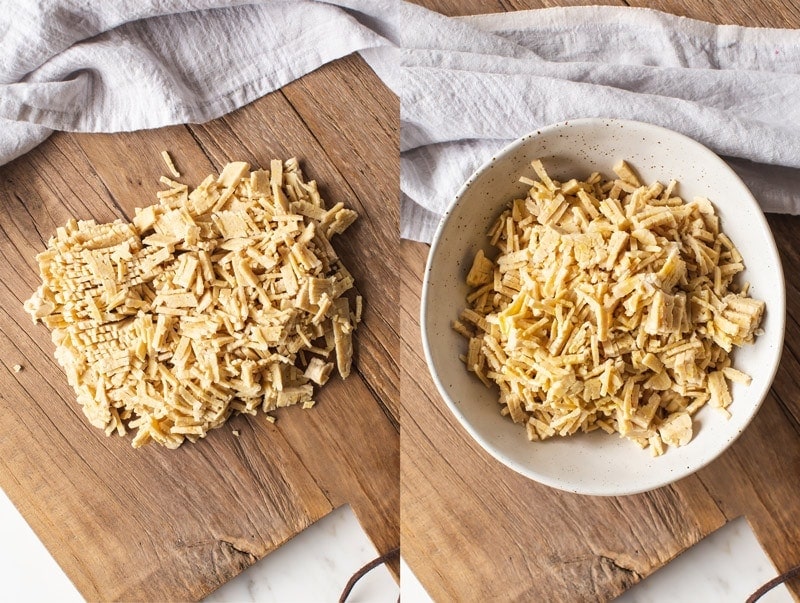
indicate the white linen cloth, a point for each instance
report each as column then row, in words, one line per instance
column 468, row 86
column 734, row 89
column 122, row 65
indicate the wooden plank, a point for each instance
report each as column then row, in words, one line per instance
column 154, row 524
column 757, row 13
column 540, row 544
column 588, row 548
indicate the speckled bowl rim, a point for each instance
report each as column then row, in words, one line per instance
column 777, row 310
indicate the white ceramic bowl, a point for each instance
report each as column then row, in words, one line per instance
column 597, row 463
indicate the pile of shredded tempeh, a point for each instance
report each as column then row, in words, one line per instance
column 214, row 301
column 610, row 305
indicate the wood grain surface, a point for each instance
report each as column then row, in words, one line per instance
column 472, row 529
column 153, row 524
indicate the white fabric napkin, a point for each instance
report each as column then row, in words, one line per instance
column 734, row 89
column 467, row 86
column 131, row 64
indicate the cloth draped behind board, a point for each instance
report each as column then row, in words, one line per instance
column 467, row 86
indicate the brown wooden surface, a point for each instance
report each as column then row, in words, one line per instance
column 474, row 530
column 154, row 524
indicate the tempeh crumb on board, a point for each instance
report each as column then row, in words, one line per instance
column 222, row 299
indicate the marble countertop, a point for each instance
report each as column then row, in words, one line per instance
column 315, row 565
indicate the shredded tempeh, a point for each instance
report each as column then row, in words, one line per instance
column 610, row 305
column 218, row 300
column 170, row 165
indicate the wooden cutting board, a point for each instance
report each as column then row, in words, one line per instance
column 474, row 530
column 154, row 524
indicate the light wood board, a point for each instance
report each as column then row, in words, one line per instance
column 474, row 530
column 155, row 524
